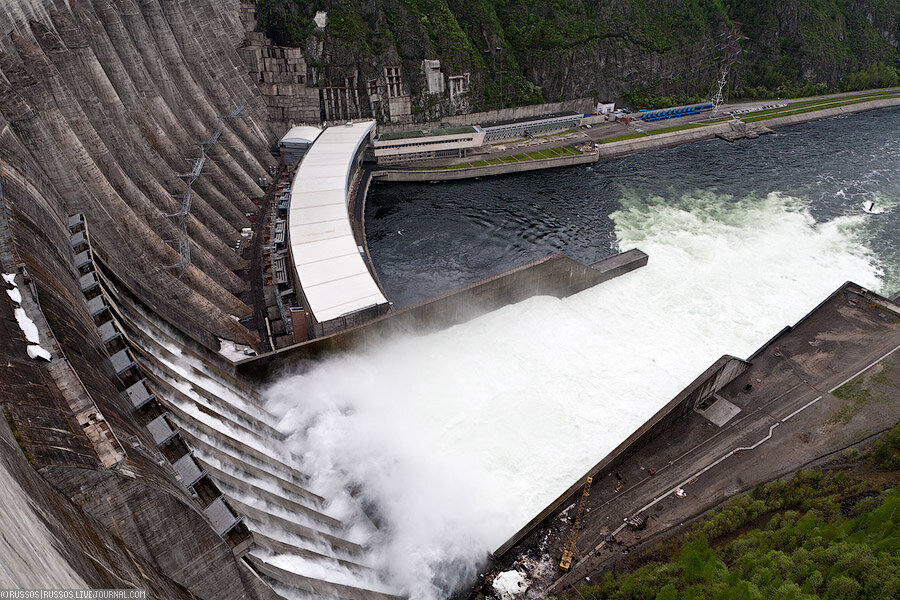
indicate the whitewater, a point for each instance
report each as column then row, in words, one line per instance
column 452, row 441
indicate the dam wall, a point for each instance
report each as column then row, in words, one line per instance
column 74, row 424
column 717, row 376
column 556, row 275
column 103, row 108
column 102, row 104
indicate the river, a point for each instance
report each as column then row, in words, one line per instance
column 452, row 441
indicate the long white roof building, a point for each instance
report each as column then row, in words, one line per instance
column 332, row 272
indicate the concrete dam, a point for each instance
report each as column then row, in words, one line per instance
column 135, row 151
column 162, row 268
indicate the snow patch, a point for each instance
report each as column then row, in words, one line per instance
column 509, row 585
column 27, row 326
column 9, row 278
column 15, row 295
column 234, row 351
column 36, row 351
column 321, row 19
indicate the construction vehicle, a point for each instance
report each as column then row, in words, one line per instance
column 637, row 522
column 569, row 550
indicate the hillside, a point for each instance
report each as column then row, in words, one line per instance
column 525, row 51
column 829, row 533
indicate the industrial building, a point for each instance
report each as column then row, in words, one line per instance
column 331, row 275
column 408, row 146
column 294, row 145
column 514, row 130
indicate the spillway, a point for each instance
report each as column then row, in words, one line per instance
column 132, row 145
column 133, row 142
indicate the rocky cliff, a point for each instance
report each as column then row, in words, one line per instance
column 525, row 51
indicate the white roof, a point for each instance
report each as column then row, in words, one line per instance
column 332, row 273
column 301, row 134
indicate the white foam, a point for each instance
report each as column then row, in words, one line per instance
column 460, row 437
column 509, row 585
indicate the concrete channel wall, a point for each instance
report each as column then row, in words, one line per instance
column 720, row 374
column 488, row 171
column 556, row 275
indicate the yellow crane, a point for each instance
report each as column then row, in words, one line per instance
column 569, row 550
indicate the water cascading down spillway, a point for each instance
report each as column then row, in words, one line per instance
column 303, row 545
column 102, row 106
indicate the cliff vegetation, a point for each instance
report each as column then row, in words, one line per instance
column 646, row 53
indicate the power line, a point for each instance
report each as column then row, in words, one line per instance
column 183, row 243
column 731, row 50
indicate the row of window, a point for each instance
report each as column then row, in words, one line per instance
column 413, row 144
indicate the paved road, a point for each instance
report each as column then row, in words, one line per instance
column 256, row 274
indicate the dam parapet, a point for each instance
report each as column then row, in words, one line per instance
column 556, row 275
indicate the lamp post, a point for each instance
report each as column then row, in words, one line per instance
column 499, row 49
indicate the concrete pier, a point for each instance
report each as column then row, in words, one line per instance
column 556, row 275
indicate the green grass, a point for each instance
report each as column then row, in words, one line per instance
column 798, row 108
column 622, row 138
column 677, row 128
column 558, row 152
column 861, row 391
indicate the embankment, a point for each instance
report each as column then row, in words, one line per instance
column 488, row 171
column 730, row 130
column 556, row 275
column 687, row 136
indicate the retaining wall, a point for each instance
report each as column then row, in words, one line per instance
column 675, row 138
column 490, row 170
column 720, row 374
column 556, row 275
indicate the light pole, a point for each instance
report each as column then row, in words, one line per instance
column 499, row 49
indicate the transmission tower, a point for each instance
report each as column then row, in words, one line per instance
column 730, row 46
column 183, row 243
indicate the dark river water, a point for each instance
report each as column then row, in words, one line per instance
column 428, row 238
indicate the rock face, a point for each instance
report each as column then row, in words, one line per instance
column 520, row 51
column 102, row 106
